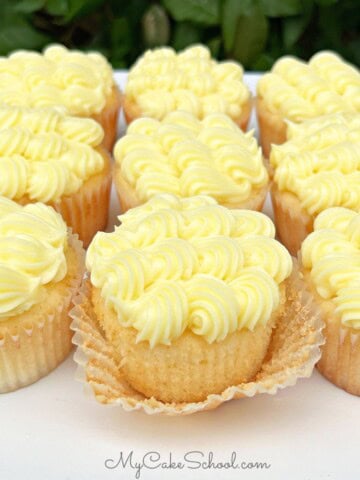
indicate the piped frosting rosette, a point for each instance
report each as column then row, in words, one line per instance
column 80, row 82
column 299, row 91
column 186, row 156
column 162, row 81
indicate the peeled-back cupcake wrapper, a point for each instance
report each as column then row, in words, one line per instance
column 293, row 352
column 86, row 211
column 108, row 118
column 31, row 351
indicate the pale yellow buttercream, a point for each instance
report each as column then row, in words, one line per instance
column 298, row 90
column 33, row 241
column 177, row 264
column 320, row 163
column 332, row 254
column 79, row 81
column 186, row 156
column 162, row 81
column 45, row 154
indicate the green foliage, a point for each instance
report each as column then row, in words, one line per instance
column 253, row 32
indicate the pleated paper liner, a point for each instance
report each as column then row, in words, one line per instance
column 30, row 350
column 293, row 352
column 108, row 118
column 340, row 355
column 86, row 211
column 292, row 223
column 272, row 127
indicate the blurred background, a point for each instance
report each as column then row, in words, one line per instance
column 253, row 32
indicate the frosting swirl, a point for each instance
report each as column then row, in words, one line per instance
column 185, row 156
column 332, row 255
column 45, row 154
column 33, row 241
column 320, row 163
column 189, row 264
column 162, row 81
column 299, row 90
column 81, row 82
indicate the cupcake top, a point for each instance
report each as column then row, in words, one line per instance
column 298, row 90
column 189, row 264
column 320, row 163
column 186, row 156
column 79, row 81
column 162, row 81
column 33, row 241
column 45, row 154
column 332, row 254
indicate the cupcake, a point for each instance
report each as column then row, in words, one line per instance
column 162, row 81
column 297, row 91
column 83, row 83
column 41, row 268
column 317, row 168
column 181, row 306
column 186, row 156
column 47, row 156
column 330, row 259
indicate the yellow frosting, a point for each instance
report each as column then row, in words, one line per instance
column 320, row 163
column 45, row 154
column 332, row 254
column 33, row 240
column 177, row 264
column 162, row 81
column 298, row 90
column 186, row 156
column 79, row 81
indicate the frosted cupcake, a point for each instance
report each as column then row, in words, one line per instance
column 47, row 156
column 331, row 264
column 41, row 268
column 317, row 168
column 83, row 83
column 182, row 304
column 295, row 90
column 186, row 156
column 162, row 81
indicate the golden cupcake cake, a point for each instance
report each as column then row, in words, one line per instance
column 297, row 91
column 330, row 259
column 317, row 168
column 41, row 268
column 181, row 306
column 83, row 83
column 162, row 81
column 50, row 157
column 186, row 156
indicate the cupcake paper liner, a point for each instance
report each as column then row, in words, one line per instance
column 272, row 128
column 108, row 118
column 86, row 211
column 30, row 351
column 292, row 223
column 340, row 360
column 293, row 352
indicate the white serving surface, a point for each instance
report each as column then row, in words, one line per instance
column 52, row 431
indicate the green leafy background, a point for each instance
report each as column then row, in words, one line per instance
column 253, row 32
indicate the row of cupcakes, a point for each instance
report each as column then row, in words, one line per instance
column 185, row 155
